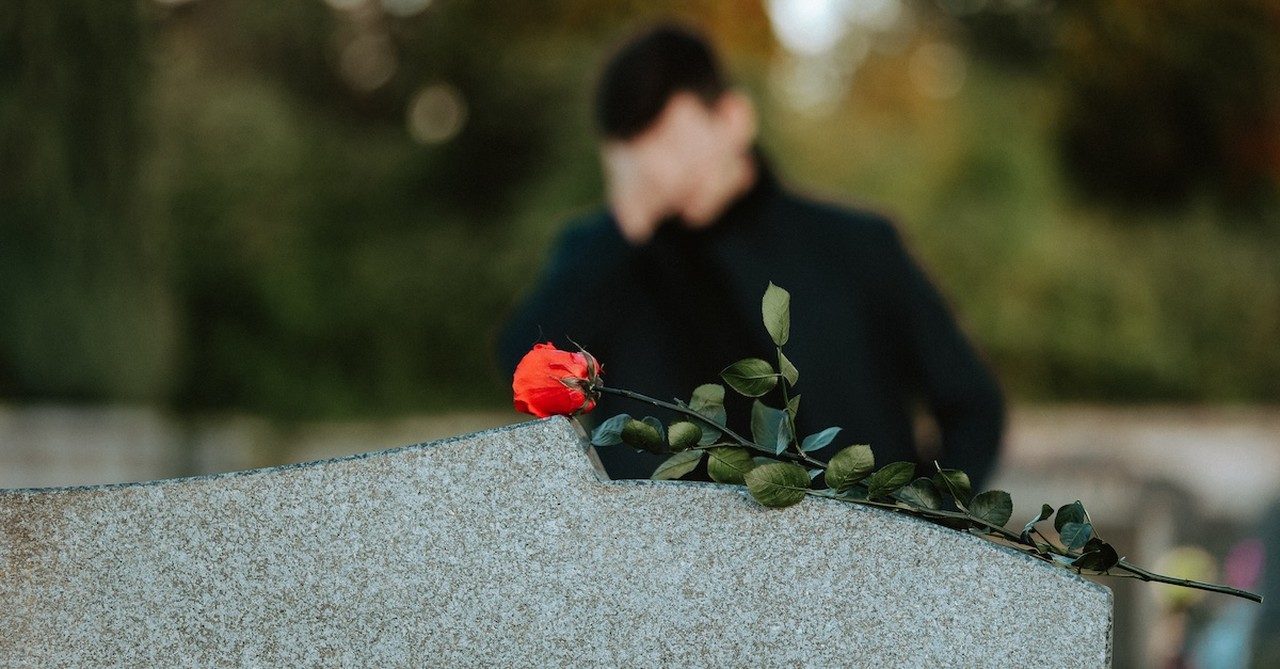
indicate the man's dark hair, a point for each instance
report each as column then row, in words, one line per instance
column 643, row 75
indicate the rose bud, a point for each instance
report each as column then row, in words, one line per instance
column 551, row 382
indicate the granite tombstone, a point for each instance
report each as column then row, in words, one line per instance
column 506, row 548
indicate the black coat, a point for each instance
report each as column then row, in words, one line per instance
column 871, row 337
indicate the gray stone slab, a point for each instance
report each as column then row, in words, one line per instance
column 504, row 549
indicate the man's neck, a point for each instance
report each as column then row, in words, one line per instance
column 735, row 181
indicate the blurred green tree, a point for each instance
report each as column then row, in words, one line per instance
column 313, row 208
column 1168, row 100
column 328, row 264
column 85, row 306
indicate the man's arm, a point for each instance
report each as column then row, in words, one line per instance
column 565, row 302
column 963, row 394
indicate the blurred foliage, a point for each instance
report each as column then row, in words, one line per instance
column 83, row 268
column 218, row 204
column 1168, row 100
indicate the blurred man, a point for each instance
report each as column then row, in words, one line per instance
column 664, row 285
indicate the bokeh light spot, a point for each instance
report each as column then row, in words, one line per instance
column 436, row 113
column 344, row 5
column 808, row 26
column 368, row 62
column 810, row 85
column 938, row 70
column 405, row 8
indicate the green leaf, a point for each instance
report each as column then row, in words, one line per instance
column 793, row 406
column 770, row 428
column 683, row 435
column 818, row 441
column 644, row 435
column 1045, row 512
column 889, row 479
column 677, row 465
column 609, row 433
column 708, row 400
column 751, row 377
column 728, row 464
column 995, row 507
column 789, row 371
column 854, row 493
column 849, row 466
column 922, row 494
column 778, row 485
column 776, row 309
column 1075, row 535
column 955, row 483
column 1070, row 513
column 709, row 436
column 1098, row 556
column 707, row 395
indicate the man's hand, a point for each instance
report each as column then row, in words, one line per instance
column 691, row 163
column 636, row 198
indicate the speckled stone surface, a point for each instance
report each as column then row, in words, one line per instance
column 504, row 549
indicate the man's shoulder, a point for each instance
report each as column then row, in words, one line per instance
column 815, row 216
column 594, row 227
column 590, row 241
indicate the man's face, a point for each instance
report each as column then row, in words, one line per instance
column 684, row 165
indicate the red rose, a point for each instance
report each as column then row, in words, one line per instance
column 551, row 382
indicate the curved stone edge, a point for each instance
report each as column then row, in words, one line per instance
column 263, row 471
column 584, row 446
